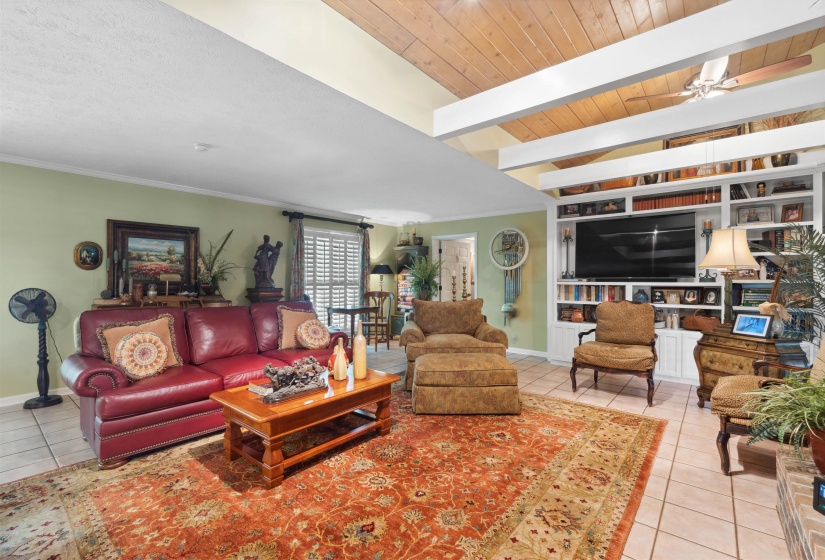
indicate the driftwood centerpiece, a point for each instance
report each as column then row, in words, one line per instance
column 303, row 376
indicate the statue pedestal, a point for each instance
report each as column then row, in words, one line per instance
column 256, row 295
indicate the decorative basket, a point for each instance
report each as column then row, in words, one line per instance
column 699, row 321
column 618, row 184
column 569, row 191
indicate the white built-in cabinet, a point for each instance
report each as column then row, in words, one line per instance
column 717, row 204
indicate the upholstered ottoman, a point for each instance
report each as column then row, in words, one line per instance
column 465, row 384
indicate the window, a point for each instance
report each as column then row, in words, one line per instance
column 332, row 270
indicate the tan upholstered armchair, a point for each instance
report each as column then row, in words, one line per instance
column 458, row 327
column 625, row 343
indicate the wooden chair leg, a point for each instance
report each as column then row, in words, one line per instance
column 650, row 387
column 595, row 377
column 573, row 374
column 722, row 445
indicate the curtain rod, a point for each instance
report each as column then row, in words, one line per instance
column 301, row 216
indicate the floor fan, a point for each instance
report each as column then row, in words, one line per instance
column 34, row 305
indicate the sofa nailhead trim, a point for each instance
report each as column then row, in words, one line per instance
column 161, row 444
column 136, row 430
column 97, row 390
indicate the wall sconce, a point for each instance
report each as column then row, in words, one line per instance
column 567, row 240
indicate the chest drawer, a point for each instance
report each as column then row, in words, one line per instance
column 726, row 363
column 734, row 342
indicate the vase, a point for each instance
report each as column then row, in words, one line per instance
column 640, row 296
column 577, row 316
column 418, row 240
column 777, row 327
column 818, row 448
column 359, row 354
column 757, row 163
column 651, row 179
column 152, row 292
column 208, row 289
column 780, row 160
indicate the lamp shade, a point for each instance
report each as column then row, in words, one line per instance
column 382, row 269
column 729, row 251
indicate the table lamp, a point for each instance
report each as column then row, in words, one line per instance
column 728, row 253
column 381, row 270
column 169, row 278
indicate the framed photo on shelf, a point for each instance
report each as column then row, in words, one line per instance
column 792, row 212
column 754, row 215
column 700, row 138
column 658, row 296
column 611, row 206
column 693, row 296
column 751, row 324
column 748, row 273
column 673, row 297
column 712, row 296
column 588, row 209
column 569, row 210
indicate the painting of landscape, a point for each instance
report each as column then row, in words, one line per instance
column 149, row 258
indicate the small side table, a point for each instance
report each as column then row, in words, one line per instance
column 804, row 528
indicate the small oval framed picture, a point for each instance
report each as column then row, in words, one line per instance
column 88, row 255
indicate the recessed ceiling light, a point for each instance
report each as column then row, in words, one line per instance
column 202, row 147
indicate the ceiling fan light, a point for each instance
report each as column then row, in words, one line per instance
column 716, row 93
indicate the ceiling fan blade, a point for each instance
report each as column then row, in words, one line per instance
column 713, row 70
column 661, row 96
column 767, row 71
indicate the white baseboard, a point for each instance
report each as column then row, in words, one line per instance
column 20, row 399
column 536, row 353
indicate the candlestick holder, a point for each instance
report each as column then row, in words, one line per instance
column 708, row 276
column 567, row 240
column 464, row 293
column 453, row 287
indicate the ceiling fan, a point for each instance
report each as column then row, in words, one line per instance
column 713, row 79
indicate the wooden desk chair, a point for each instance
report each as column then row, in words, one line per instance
column 625, row 343
column 378, row 324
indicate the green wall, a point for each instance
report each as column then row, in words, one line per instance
column 44, row 214
column 528, row 330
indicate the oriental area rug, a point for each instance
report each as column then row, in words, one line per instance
column 561, row 480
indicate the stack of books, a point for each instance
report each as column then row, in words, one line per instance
column 262, row 388
column 738, row 192
column 705, row 196
column 753, row 297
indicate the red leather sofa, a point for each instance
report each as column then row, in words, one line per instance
column 220, row 348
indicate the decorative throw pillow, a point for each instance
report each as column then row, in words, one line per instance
column 312, row 334
column 140, row 355
column 163, row 326
column 288, row 321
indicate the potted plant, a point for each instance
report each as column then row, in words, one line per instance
column 211, row 270
column 424, row 277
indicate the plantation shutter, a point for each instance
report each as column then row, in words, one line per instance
column 332, row 270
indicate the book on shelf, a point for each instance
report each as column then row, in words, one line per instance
column 262, row 388
column 784, row 189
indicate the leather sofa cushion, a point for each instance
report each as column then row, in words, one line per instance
column 452, row 344
column 614, row 356
column 220, row 332
column 464, row 370
column 237, row 371
column 177, row 386
column 265, row 319
column 91, row 320
column 445, row 317
column 625, row 322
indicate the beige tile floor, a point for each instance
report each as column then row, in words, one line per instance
column 690, row 511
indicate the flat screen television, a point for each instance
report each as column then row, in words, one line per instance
column 661, row 247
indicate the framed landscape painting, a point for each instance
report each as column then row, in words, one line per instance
column 143, row 252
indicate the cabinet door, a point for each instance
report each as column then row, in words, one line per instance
column 669, row 349
column 689, row 371
column 565, row 338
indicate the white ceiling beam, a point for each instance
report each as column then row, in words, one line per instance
column 723, row 30
column 782, row 140
column 800, row 93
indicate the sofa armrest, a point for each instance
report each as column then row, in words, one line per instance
column 411, row 333
column 489, row 333
column 87, row 375
column 333, row 339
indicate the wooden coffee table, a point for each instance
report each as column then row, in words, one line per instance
column 249, row 420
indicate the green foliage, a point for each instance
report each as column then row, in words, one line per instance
column 212, row 270
column 424, row 277
column 801, row 287
column 788, row 409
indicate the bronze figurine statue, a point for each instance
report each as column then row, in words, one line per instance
column 291, row 381
column 266, row 257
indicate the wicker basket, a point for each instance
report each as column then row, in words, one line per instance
column 569, row 191
column 699, row 321
column 618, row 184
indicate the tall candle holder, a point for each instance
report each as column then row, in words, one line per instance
column 464, row 293
column 453, row 287
column 707, row 232
column 567, row 240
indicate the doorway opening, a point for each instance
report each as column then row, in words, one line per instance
column 459, row 266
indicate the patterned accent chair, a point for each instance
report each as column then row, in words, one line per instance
column 625, row 343
column 444, row 327
column 728, row 399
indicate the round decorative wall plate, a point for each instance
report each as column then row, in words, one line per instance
column 509, row 248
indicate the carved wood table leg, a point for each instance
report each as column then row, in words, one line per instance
column 650, row 388
column 722, row 446
column 273, row 461
column 231, row 439
column 573, row 375
column 382, row 417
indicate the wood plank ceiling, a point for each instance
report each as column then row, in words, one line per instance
column 469, row 46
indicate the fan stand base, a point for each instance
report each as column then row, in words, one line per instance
column 43, row 402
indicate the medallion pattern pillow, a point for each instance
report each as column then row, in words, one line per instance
column 163, row 326
column 288, row 321
column 140, row 355
column 312, row 334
